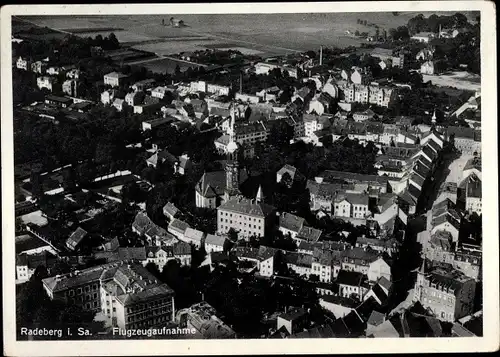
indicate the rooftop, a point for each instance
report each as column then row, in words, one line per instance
column 351, row 278
column 291, row 222
column 242, row 205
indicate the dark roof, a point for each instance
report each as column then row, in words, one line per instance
column 132, row 253
column 291, row 222
column 240, row 204
column 460, row 132
column 351, row 278
column 309, row 234
column 76, row 238
column 340, row 300
column 474, row 189
column 376, row 318
column 294, row 314
column 28, row 242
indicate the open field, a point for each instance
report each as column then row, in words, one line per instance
column 460, row 80
column 163, row 65
column 271, row 34
column 122, row 36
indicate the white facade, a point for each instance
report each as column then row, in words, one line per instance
column 377, row 269
column 45, row 82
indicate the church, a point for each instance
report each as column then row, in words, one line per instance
column 215, row 188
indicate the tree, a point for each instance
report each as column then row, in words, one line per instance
column 228, row 245
column 232, row 235
column 153, row 269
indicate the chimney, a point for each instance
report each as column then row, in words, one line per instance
column 320, row 55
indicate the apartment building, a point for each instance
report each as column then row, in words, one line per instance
column 247, row 216
column 447, row 292
column 115, row 79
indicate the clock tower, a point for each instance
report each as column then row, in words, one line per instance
column 232, row 165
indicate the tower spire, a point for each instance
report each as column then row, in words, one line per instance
column 260, row 195
column 433, row 120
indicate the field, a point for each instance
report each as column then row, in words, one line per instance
column 460, row 80
column 276, row 33
column 163, row 65
column 262, row 34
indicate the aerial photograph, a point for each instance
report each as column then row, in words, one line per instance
column 247, row 176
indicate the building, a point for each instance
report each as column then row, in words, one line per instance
column 178, row 228
column 339, row 306
column 108, row 96
column 359, row 260
column 290, row 224
column 266, row 67
column 473, row 196
column 23, row 63
column 38, row 67
column 423, row 37
column 326, row 264
column 76, row 238
column 170, row 211
column 214, row 243
column 427, row 68
column 193, row 236
column 247, row 216
column 131, row 297
column 382, row 96
column 351, row 205
column 301, row 264
column 290, row 170
column 161, row 255
column 293, row 321
column 352, row 284
column 61, row 102
column 449, row 294
column 134, row 98
column 45, row 82
column 308, row 234
column 70, row 87
column 361, row 182
column 263, row 258
column 313, row 123
column 26, row 264
column 364, row 115
column 115, row 79
column 141, row 86
column 467, row 140
column 202, row 317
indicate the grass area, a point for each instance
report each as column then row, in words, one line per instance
column 163, row 65
column 92, row 29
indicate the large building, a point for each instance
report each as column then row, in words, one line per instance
column 115, row 79
column 382, row 96
column 247, row 216
column 125, row 293
column 449, row 294
column 203, row 318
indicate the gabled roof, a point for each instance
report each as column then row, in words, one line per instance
column 76, row 238
column 351, row 278
column 178, row 225
column 240, row 204
column 309, row 234
column 170, row 209
column 213, row 239
column 291, row 222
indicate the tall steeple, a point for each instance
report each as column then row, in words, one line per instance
column 232, row 165
column 260, row 195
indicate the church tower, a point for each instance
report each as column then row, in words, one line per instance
column 260, row 195
column 433, row 120
column 232, row 165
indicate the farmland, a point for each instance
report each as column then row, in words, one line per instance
column 255, row 34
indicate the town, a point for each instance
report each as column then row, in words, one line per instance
column 330, row 193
